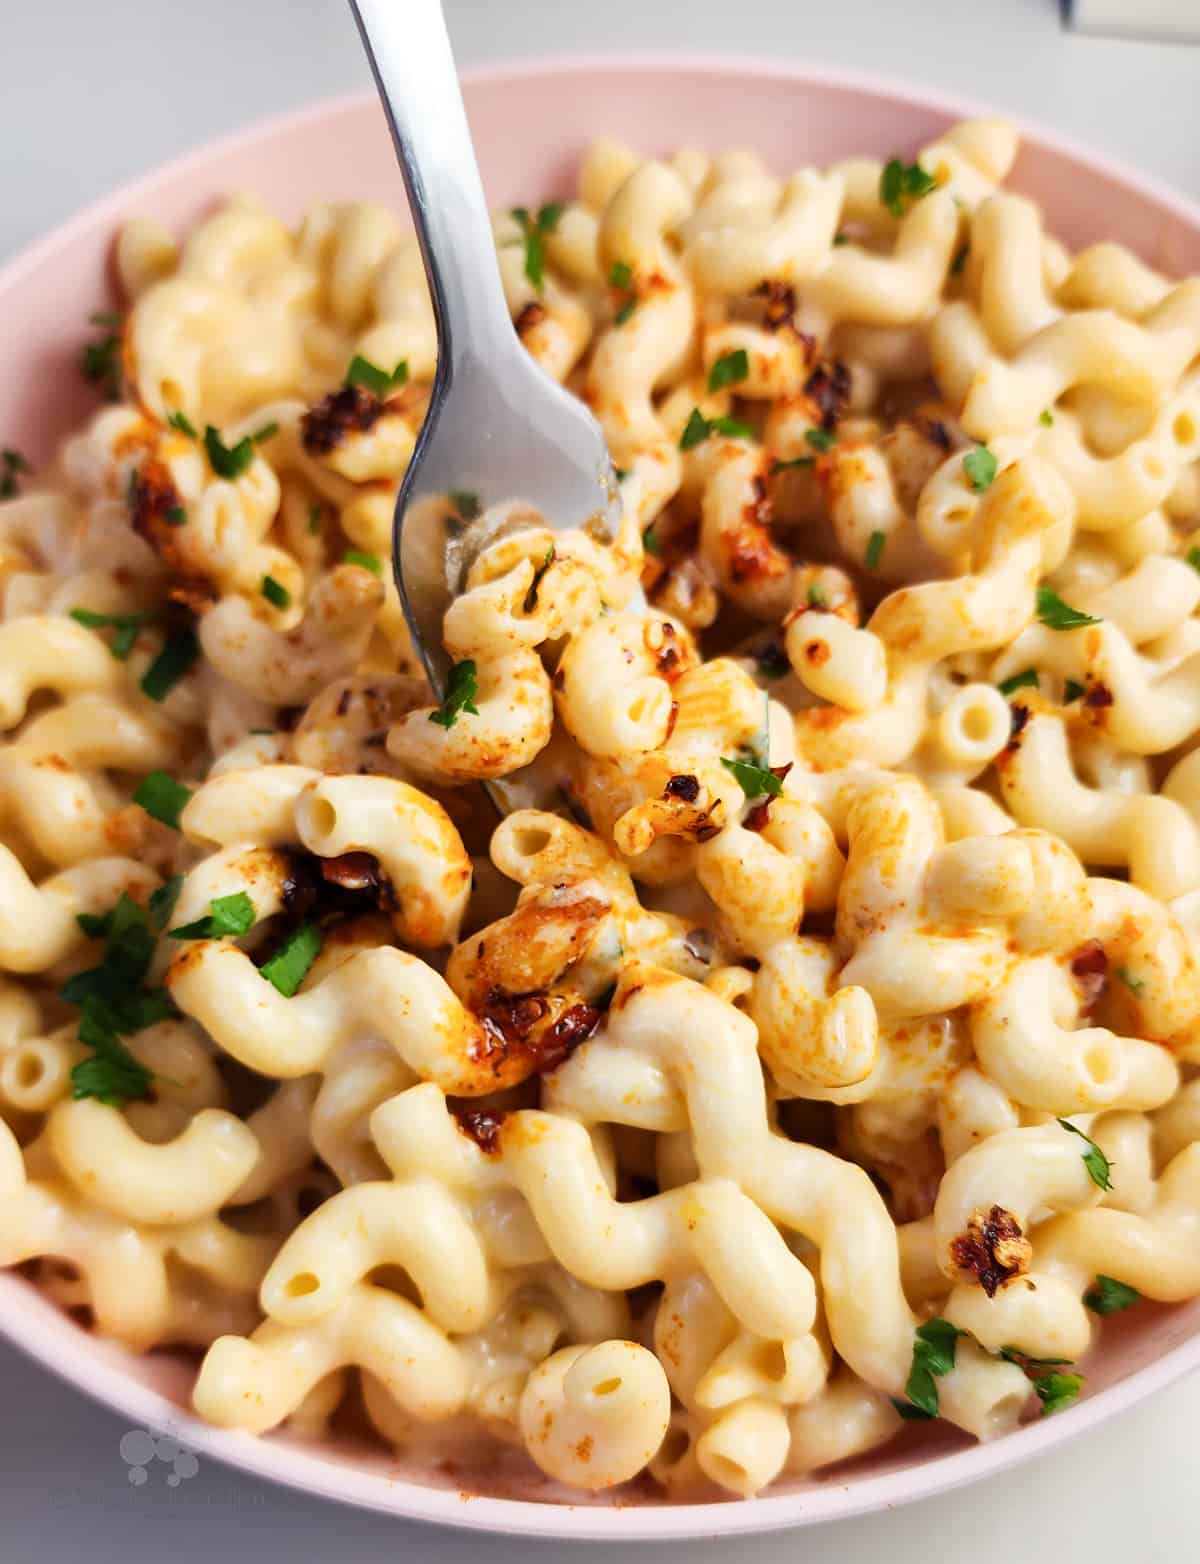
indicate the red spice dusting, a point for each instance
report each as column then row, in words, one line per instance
column 993, row 1249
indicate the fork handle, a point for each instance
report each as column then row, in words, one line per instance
column 409, row 50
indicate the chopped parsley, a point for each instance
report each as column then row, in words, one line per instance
column 620, row 275
column 228, row 917
column 1094, row 1160
column 874, row 552
column 900, row 184
column 267, row 432
column 461, row 689
column 698, row 428
column 113, row 1001
column 1045, row 418
column 624, row 312
column 179, row 420
column 534, row 231
column 1135, row 985
column 100, row 361
column 162, row 797
column 466, row 503
column 820, row 439
column 754, row 780
column 650, row 541
column 816, row 597
column 12, row 467
column 840, row 239
column 1109, row 1296
column 227, row 461
column 288, row 967
column 314, row 520
column 531, row 596
column 729, row 369
column 980, row 467
column 357, row 556
column 1056, row 1391
column 162, row 902
column 934, row 1352
column 1193, row 558
column 794, row 461
column 1026, row 679
column 180, row 651
column 127, row 626
column 379, row 382
column 274, row 593
column 176, row 516
column 1072, row 690
column 1057, row 615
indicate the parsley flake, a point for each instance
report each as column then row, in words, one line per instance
column 1135, row 985
column 127, row 626
column 620, row 275
column 534, row 231
column 729, row 369
column 1057, row 1391
column 12, row 467
column 794, row 461
column 365, row 561
column 229, row 917
column 466, row 503
column 162, row 797
column 816, row 597
column 1026, row 679
column 379, row 382
column 162, row 902
column 1094, row 1160
column 980, row 466
column 650, row 541
column 934, row 1351
column 1057, row 615
column 820, row 439
column 100, row 361
column 754, row 780
column 288, row 967
column 1072, row 690
column 900, row 184
column 874, row 552
column 314, row 520
column 531, row 596
column 461, row 689
column 179, row 652
column 179, row 420
column 1193, row 558
column 274, row 593
column 698, row 428
column 227, row 461
column 1109, row 1296
column 1045, row 418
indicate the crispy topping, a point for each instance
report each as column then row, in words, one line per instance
column 348, row 410
column 1089, row 968
column 1098, row 696
column 482, row 1125
column 780, row 308
column 685, row 787
column 532, row 315
column 829, row 388
column 993, row 1249
column 545, row 1027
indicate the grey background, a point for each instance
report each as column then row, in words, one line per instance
column 97, row 92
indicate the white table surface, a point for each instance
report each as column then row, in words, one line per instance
column 97, row 92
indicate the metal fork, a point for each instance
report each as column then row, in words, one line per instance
column 499, row 432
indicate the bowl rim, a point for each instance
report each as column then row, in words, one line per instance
column 289, row 1464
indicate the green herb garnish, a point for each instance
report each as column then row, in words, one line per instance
column 1094, row 1160
column 176, row 516
column 227, row 461
column 180, row 651
column 934, row 1352
column 531, row 596
column 729, row 369
column 461, row 689
column 874, row 552
column 1109, row 1296
column 620, row 275
column 820, row 439
column 1028, row 678
column 466, row 503
column 229, row 917
column 288, row 967
column 1135, row 985
column 980, row 466
column 179, row 420
column 365, row 561
column 650, row 541
column 1045, row 418
column 698, row 428
column 794, row 461
column 379, row 382
column 127, row 626
column 754, row 780
column 534, row 231
column 314, row 520
column 100, row 361
column 1057, row 615
column 275, row 593
column 900, row 184
column 162, row 902
column 1193, row 558
column 1056, row 1391
column 1072, row 690
column 816, row 597
column 12, row 467
column 162, row 797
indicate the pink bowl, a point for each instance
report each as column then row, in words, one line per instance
column 530, row 123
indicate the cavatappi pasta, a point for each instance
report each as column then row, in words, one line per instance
column 818, row 1046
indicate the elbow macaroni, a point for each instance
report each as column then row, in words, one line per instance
column 534, row 1150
